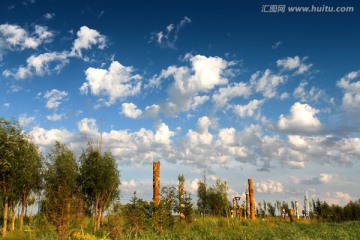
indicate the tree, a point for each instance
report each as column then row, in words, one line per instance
column 10, row 136
column 217, row 197
column 202, row 202
column 61, row 188
column 99, row 180
column 27, row 172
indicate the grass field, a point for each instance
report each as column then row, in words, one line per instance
column 218, row 228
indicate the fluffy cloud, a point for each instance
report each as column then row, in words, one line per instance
column 294, row 63
column 130, row 110
column 25, row 120
column 49, row 15
column 247, row 110
column 15, row 38
column 302, row 120
column 169, row 37
column 39, row 65
column 267, row 83
column 225, row 94
column 86, row 38
column 204, row 75
column 118, row 82
column 54, row 98
column 323, row 178
column 351, row 88
column 269, row 186
column 314, row 94
column 143, row 146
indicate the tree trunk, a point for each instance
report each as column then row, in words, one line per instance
column 23, row 203
column 96, row 213
column 13, row 213
column 6, row 206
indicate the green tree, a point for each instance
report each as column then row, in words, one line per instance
column 61, row 188
column 99, row 180
column 217, row 198
column 202, row 202
column 10, row 136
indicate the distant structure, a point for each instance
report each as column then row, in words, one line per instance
column 252, row 199
column 306, row 205
column 156, row 183
column 297, row 209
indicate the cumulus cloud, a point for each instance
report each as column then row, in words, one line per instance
column 86, row 38
column 302, row 120
column 351, row 88
column 130, row 110
column 117, row 82
column 269, row 186
column 39, row 65
column 24, row 120
column 267, row 83
column 204, row 75
column 322, row 178
column 248, row 110
column 16, row 38
column 225, row 94
column 314, row 94
column 54, row 98
column 169, row 37
column 294, row 64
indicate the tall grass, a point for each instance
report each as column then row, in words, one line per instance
column 209, row 228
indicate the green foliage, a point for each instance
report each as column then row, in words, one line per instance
column 61, row 189
column 99, row 180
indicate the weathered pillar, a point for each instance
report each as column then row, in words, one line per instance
column 182, row 199
column 297, row 209
column 247, row 206
column 156, row 183
column 252, row 199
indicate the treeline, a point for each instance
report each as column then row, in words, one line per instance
column 69, row 189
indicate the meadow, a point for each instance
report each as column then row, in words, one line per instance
column 203, row 228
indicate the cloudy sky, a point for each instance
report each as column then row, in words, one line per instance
column 220, row 89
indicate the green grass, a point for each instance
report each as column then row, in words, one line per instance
column 221, row 228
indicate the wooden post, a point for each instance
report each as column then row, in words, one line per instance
column 252, row 199
column 247, row 203
column 156, row 183
column 182, row 200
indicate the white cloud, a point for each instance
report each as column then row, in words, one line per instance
column 39, row 65
column 118, row 82
column 15, row 38
column 6, row 105
column 130, row 110
column 54, row 117
column 351, row 98
column 24, row 120
column 249, row 109
column 87, row 125
column 204, row 75
column 294, row 63
column 323, row 178
column 225, row 94
column 267, row 83
column 269, row 186
column 49, row 15
column 86, row 38
column 314, row 94
column 277, row 45
column 169, row 37
column 302, row 120
column 54, row 98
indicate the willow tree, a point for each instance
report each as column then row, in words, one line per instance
column 26, row 173
column 61, row 188
column 10, row 133
column 99, row 180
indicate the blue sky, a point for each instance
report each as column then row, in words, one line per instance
column 217, row 88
